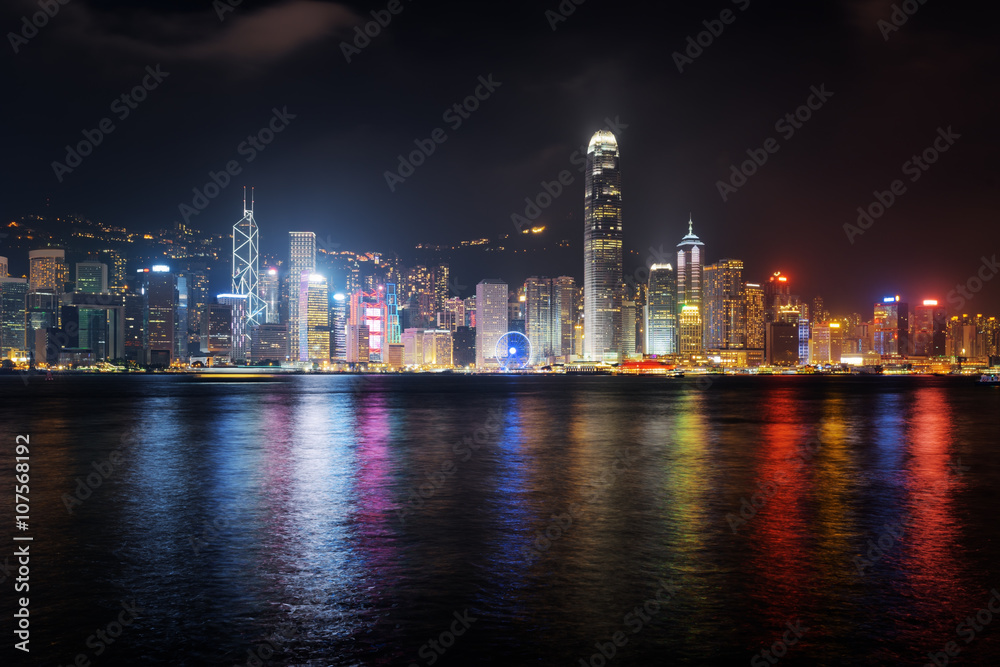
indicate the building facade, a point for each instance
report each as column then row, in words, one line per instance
column 602, row 249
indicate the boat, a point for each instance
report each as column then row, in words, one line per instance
column 989, row 380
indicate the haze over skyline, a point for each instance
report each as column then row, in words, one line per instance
column 680, row 132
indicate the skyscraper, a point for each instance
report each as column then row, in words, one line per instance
column 724, row 307
column 12, row 315
column 538, row 318
column 92, row 277
column 246, row 265
column 689, row 331
column 929, row 329
column 690, row 254
column 160, row 290
column 661, row 310
column 491, row 320
column 756, row 317
column 338, row 328
column 891, row 326
column 3, row 267
column 564, row 308
column 314, row 307
column 777, row 294
column 602, row 249
column 301, row 262
column 270, row 292
column 47, row 270
column 240, row 326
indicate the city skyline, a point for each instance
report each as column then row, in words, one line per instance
column 531, row 129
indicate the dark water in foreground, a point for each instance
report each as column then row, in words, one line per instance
column 291, row 511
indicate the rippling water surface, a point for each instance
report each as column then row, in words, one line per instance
column 449, row 520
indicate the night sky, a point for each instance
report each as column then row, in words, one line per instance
column 679, row 131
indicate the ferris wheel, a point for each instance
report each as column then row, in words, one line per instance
column 513, row 351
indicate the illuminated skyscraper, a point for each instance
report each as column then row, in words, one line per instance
column 240, row 327
column 491, row 320
column 392, row 330
column 371, row 310
column 661, row 310
column 777, row 294
column 47, row 270
column 217, row 329
column 756, row 316
column 930, row 329
column 689, row 331
column 301, row 262
column 246, row 265
column 159, row 286
column 338, row 328
column 270, row 292
column 92, row 277
column 314, row 306
column 628, row 343
column 3, row 267
column 12, row 315
column 724, row 307
column 538, row 318
column 440, row 277
column 602, row 249
column 690, row 255
column 564, row 311
column 891, row 326
column 269, row 342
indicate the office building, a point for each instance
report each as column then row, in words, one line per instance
column 91, row 277
column 690, row 255
column 491, row 320
column 756, row 316
column 891, row 327
column 159, row 286
column 724, row 305
column 47, row 270
column 269, row 342
column 602, row 250
column 660, row 312
column 301, row 265
column 270, row 293
column 689, row 331
column 782, row 344
column 930, row 329
column 240, row 327
column 338, row 327
column 314, row 322
column 13, row 292
column 217, row 330
column 463, row 347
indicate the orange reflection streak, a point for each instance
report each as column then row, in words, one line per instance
column 833, row 468
column 780, row 531
column 931, row 538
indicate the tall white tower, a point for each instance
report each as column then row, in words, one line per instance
column 245, row 264
column 602, row 250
